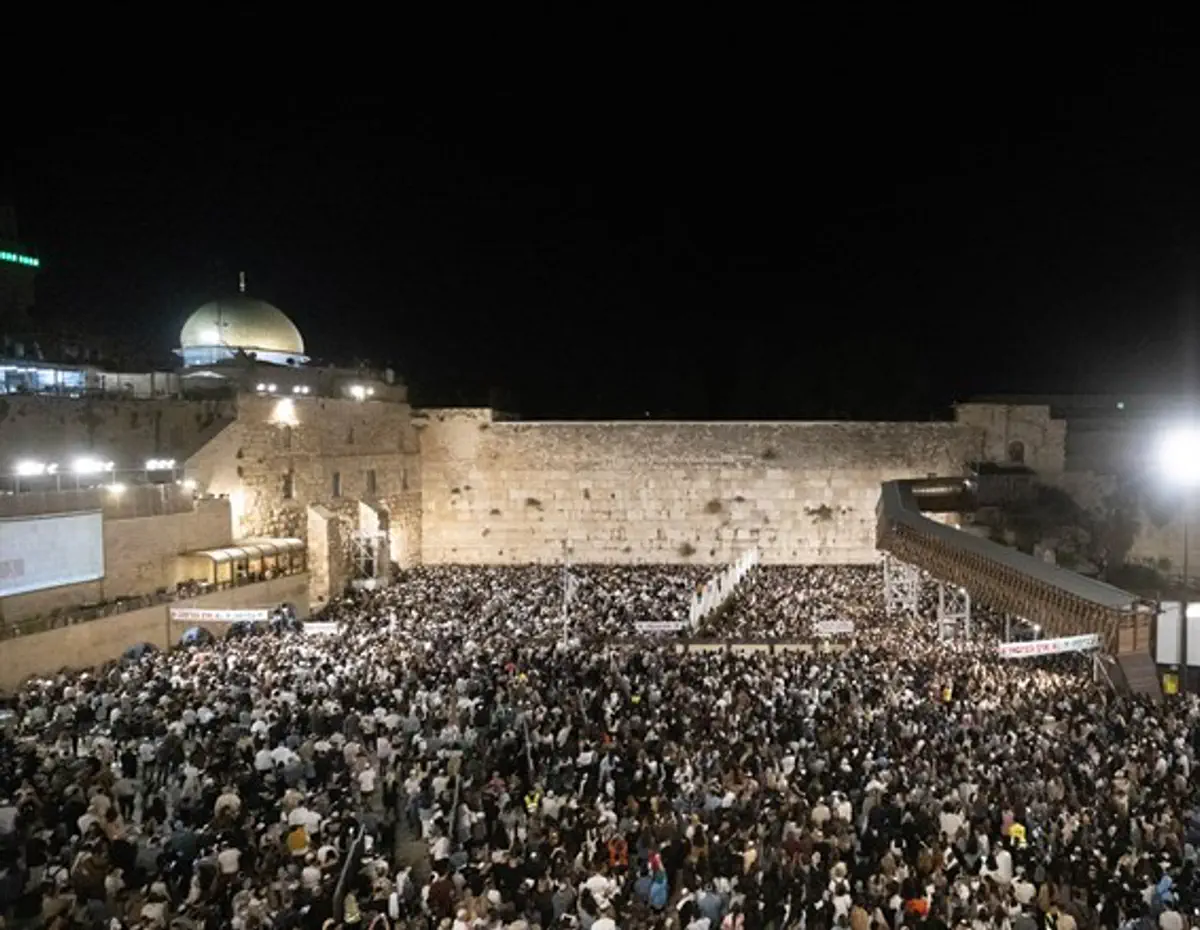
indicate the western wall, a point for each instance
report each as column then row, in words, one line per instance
column 497, row 492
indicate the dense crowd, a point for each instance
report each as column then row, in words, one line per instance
column 447, row 760
column 787, row 601
column 528, row 601
column 793, row 602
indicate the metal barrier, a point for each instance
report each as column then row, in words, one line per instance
column 1062, row 602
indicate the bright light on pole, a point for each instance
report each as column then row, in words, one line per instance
column 31, row 469
column 1179, row 457
column 1180, row 462
column 88, row 466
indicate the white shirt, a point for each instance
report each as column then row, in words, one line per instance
column 230, row 860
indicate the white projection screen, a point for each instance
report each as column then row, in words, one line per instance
column 50, row 551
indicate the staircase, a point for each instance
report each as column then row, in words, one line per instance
column 1140, row 674
column 1134, row 661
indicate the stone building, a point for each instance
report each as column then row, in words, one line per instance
column 338, row 458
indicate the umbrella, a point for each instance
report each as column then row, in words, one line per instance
column 196, row 636
column 137, row 650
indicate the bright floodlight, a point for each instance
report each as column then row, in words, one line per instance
column 87, row 466
column 1180, row 456
column 30, row 469
column 284, row 413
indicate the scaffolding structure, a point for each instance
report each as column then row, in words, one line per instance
column 953, row 611
column 368, row 554
column 901, row 587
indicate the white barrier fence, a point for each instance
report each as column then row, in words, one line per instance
column 717, row 590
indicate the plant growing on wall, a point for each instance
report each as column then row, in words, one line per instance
column 713, row 506
column 821, row 514
column 687, row 550
column 1089, row 540
column 533, row 503
column 769, row 454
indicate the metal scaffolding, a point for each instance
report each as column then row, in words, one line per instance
column 368, row 554
column 901, row 586
column 953, row 611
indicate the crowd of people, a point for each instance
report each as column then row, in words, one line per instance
column 529, row 601
column 449, row 761
column 787, row 601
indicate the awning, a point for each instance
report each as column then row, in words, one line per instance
column 249, row 550
column 276, row 545
column 220, row 555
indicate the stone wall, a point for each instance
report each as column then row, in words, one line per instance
column 281, row 457
column 1018, row 433
column 510, row 492
column 87, row 645
column 139, row 558
column 127, row 432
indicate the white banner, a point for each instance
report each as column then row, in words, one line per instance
column 660, row 626
column 324, row 628
column 1049, row 647
column 200, row 615
column 833, row 627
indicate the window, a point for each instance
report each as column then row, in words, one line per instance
column 1016, row 452
column 337, row 484
column 289, row 485
column 370, row 481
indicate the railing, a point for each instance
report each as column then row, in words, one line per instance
column 121, row 499
column 85, row 613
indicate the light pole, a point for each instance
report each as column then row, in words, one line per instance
column 1181, row 464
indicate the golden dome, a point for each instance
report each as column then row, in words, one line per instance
column 242, row 323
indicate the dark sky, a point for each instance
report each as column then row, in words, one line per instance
column 872, row 240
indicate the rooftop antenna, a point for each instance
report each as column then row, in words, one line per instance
column 241, row 282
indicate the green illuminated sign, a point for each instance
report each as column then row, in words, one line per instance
column 18, row 259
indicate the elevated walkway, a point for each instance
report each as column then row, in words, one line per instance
column 1062, row 602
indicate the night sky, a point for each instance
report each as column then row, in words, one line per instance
column 871, row 241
